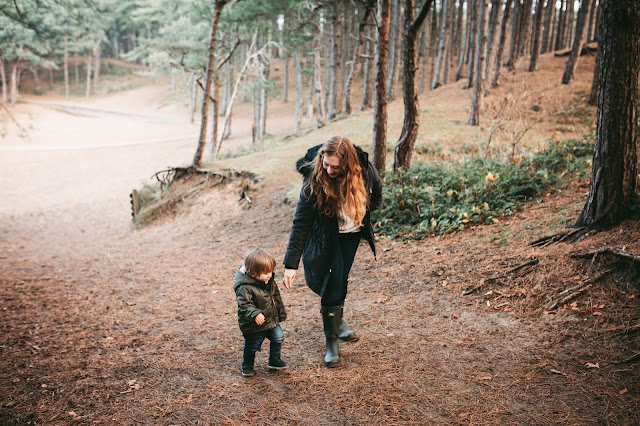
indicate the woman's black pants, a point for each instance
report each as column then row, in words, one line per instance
column 336, row 290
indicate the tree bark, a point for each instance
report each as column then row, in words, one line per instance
column 393, row 46
column 88, row 88
column 465, row 41
column 298, row 110
column 368, row 81
column 285, row 78
column 578, row 42
column 335, row 63
column 356, row 54
column 412, row 24
column 546, row 32
column 592, row 21
column 560, row 27
column 65, row 65
column 471, row 57
column 442, row 46
column 3, row 76
column 524, row 33
column 478, row 83
column 516, row 34
column 535, row 50
column 13, row 92
column 379, row 149
column 595, row 82
column 197, row 158
column 96, row 67
column 493, row 24
column 318, row 84
column 614, row 172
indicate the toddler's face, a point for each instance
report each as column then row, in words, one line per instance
column 264, row 277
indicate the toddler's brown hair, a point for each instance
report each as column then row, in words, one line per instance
column 259, row 261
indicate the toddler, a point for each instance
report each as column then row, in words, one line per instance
column 260, row 309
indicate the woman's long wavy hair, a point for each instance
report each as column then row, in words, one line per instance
column 345, row 192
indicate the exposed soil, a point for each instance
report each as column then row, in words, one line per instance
column 106, row 324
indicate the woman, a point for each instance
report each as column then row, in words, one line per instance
column 340, row 189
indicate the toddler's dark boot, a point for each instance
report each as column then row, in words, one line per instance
column 248, row 359
column 275, row 362
column 331, row 318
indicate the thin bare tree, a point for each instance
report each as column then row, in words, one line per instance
column 379, row 149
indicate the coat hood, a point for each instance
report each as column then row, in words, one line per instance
column 304, row 165
column 242, row 278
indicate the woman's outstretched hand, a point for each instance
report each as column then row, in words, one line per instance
column 289, row 276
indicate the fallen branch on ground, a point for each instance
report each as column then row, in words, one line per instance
column 579, row 289
column 531, row 262
column 632, row 358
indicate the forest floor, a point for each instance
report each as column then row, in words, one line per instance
column 105, row 323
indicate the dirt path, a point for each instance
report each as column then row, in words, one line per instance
column 106, row 325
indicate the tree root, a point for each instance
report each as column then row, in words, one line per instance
column 571, row 236
column 609, row 250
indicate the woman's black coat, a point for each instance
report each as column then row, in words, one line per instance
column 314, row 236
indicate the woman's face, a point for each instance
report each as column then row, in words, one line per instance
column 331, row 164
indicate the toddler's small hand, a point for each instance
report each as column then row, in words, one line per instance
column 259, row 319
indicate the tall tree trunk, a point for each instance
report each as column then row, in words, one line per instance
column 367, row 93
column 312, row 86
column 442, row 46
column 356, row 55
column 560, row 25
column 77, row 68
column 298, row 110
column 570, row 24
column 318, row 84
column 379, row 149
column 596, row 30
column 13, row 91
column 335, row 63
column 227, row 115
column 516, row 34
column 96, row 67
column 192, row 97
column 491, row 37
column 595, row 82
column 546, row 32
column 535, row 51
column 394, row 29
column 3, row 76
column 524, row 33
column 285, row 79
column 554, row 27
column 465, row 41
column 472, row 43
column 404, row 146
column 89, row 60
column 614, row 171
column 262, row 96
column 197, row 158
column 65, row 65
column 592, row 21
column 578, row 42
column 481, row 41
column 423, row 53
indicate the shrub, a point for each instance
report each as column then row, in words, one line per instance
column 442, row 198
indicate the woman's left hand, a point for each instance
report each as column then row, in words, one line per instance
column 289, row 276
